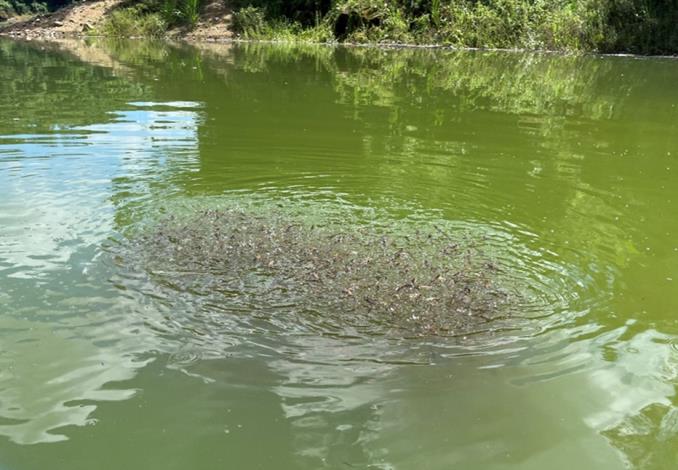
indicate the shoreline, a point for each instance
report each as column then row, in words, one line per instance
column 183, row 38
column 215, row 24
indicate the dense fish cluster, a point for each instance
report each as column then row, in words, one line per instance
column 417, row 281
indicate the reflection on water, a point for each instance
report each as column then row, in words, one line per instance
column 39, row 237
column 561, row 166
column 64, row 336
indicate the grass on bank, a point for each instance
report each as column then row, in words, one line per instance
column 151, row 18
column 253, row 23
column 639, row 26
column 129, row 23
column 498, row 24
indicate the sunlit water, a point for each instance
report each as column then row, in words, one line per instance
column 562, row 167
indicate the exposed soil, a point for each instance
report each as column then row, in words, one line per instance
column 81, row 19
column 215, row 23
column 77, row 19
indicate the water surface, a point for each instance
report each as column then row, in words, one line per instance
column 562, row 167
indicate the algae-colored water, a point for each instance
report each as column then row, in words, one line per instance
column 560, row 171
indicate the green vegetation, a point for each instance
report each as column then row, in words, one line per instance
column 177, row 12
column 130, row 22
column 151, row 18
column 637, row 26
column 253, row 23
column 641, row 26
column 10, row 8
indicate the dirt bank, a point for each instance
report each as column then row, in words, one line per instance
column 82, row 19
column 77, row 19
column 215, row 23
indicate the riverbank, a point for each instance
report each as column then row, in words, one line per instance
column 631, row 26
column 77, row 19
column 118, row 18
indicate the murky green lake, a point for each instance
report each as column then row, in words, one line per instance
column 564, row 169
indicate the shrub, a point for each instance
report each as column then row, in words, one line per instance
column 171, row 12
column 129, row 22
column 178, row 12
column 6, row 10
column 190, row 12
column 305, row 12
column 250, row 22
column 10, row 8
column 39, row 7
column 641, row 26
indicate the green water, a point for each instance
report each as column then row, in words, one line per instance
column 564, row 167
